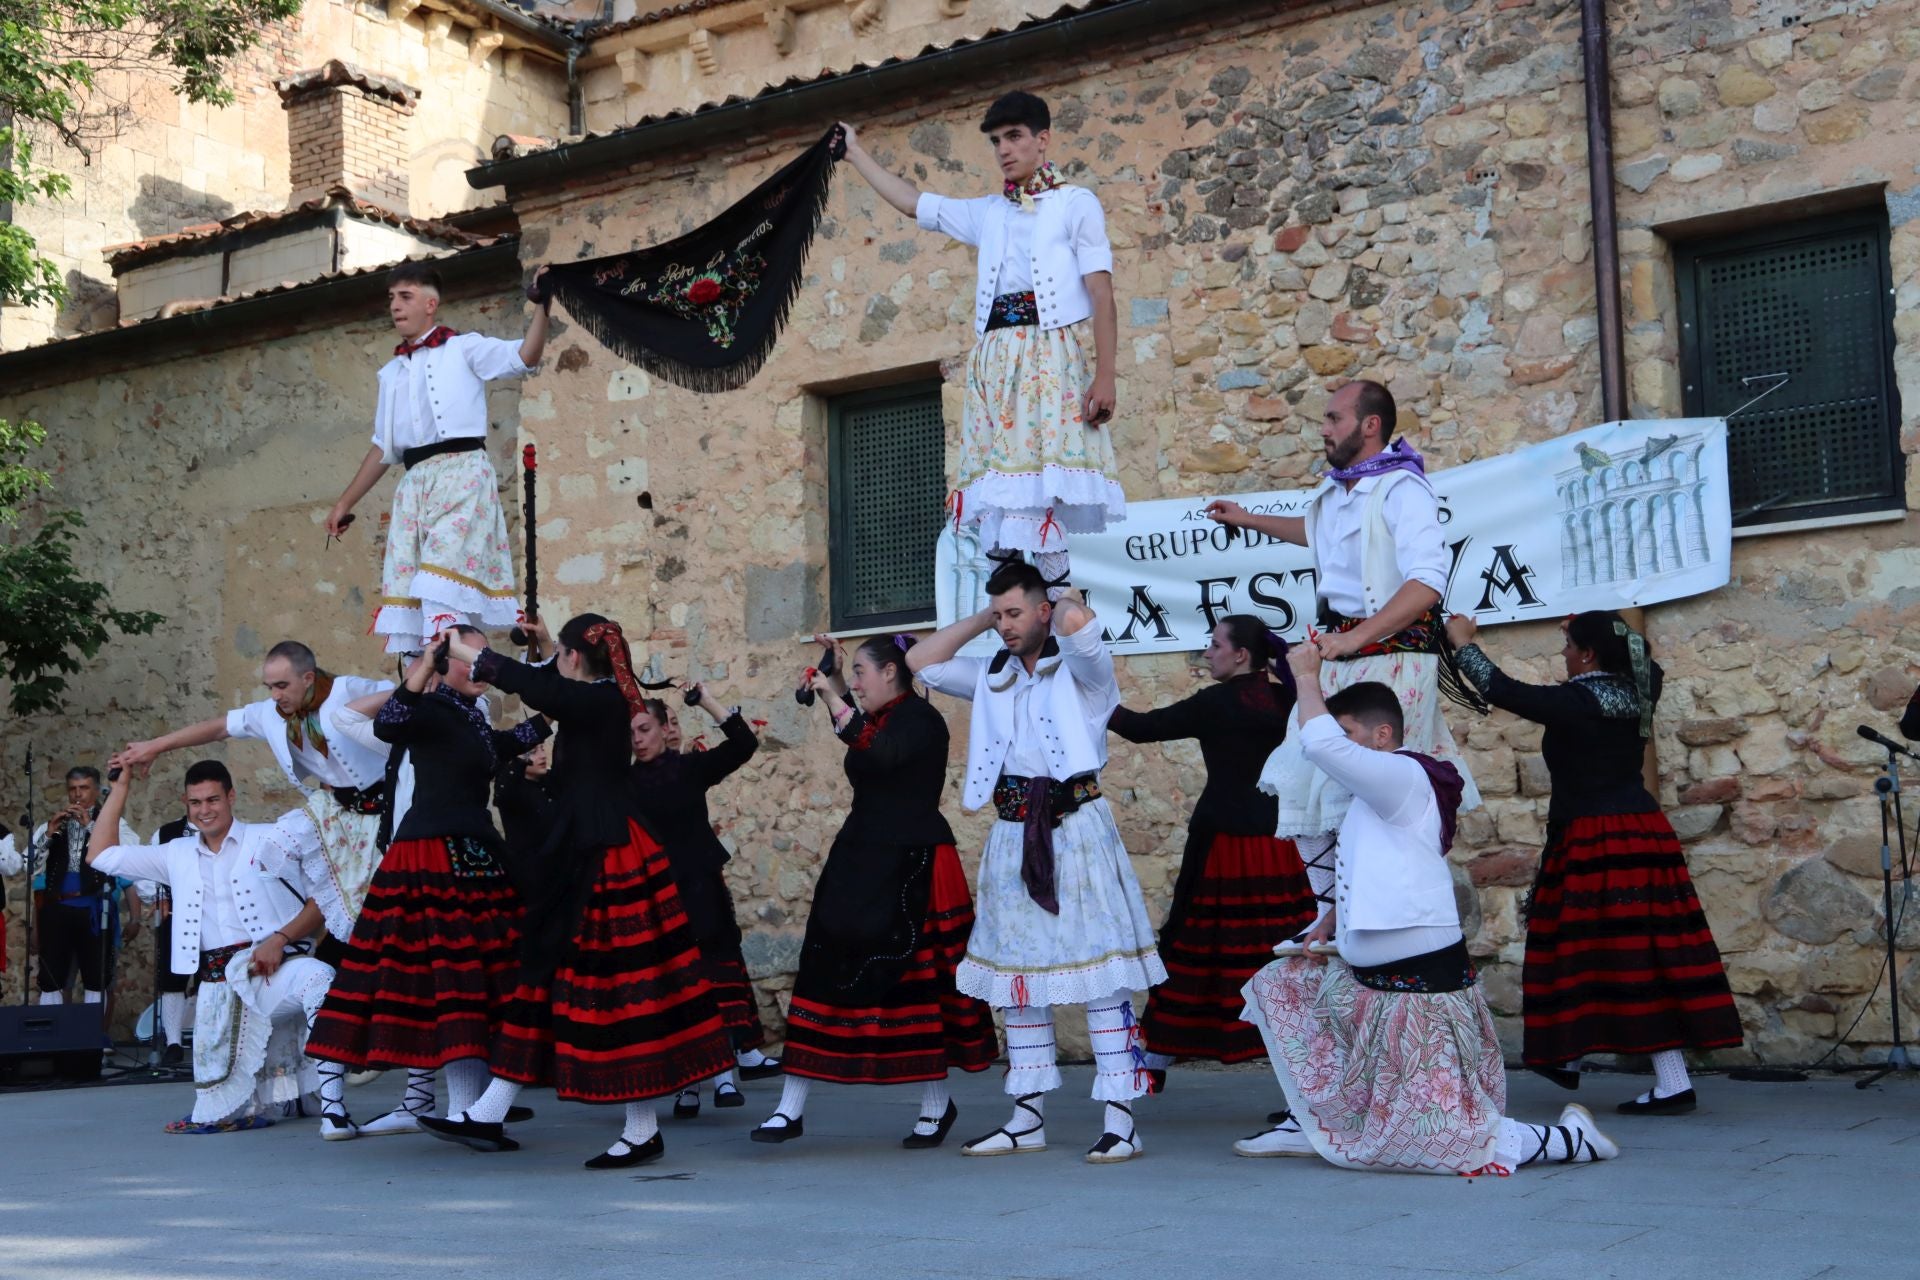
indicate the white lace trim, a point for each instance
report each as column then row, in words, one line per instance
column 1114, row 975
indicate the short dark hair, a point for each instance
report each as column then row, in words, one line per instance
column 84, row 771
column 467, row 629
column 415, row 273
column 1017, row 108
column 657, row 708
column 1372, row 704
column 1017, row 575
column 208, row 771
column 295, row 655
column 1374, row 401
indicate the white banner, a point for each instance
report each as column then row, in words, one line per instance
column 1619, row 515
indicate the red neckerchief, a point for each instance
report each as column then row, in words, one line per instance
column 871, row 729
column 434, row 337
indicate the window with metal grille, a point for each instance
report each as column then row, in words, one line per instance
column 886, row 458
column 1807, row 308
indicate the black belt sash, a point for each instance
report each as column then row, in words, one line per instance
column 1012, row 310
column 411, row 458
column 1432, row 973
column 361, row 799
column 1039, row 804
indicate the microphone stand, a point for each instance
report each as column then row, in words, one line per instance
column 33, row 907
column 1889, row 788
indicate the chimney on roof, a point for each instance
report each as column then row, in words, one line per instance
column 348, row 128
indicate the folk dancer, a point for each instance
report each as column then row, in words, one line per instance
column 1374, row 528
column 447, row 556
column 875, row 1001
column 1387, row 1052
column 1240, row 888
column 669, row 791
column 432, row 958
column 1620, row 958
column 1036, row 459
column 611, row 1005
column 1060, row 915
column 243, row 924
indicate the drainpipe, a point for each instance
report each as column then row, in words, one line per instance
column 1606, row 224
column 576, row 99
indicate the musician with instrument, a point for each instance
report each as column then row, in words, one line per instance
column 79, row 922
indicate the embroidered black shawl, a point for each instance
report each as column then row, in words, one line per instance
column 703, row 311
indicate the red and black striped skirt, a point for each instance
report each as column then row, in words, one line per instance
column 1251, row 892
column 724, row 968
column 626, row 1014
column 430, row 963
column 922, row 1028
column 1619, row 955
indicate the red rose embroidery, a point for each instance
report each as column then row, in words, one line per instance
column 703, row 291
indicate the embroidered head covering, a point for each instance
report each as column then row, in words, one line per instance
column 1022, row 193
column 1277, row 647
column 434, row 337
column 1398, row 456
column 1642, row 673
column 303, row 725
column 610, row 640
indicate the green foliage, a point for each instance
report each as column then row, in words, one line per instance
column 50, row 617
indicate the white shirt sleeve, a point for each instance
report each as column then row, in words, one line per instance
column 252, row 720
column 12, row 860
column 1092, row 251
column 491, row 358
column 134, row 862
column 956, row 677
column 1090, row 663
column 1420, row 549
column 961, row 219
column 1390, row 783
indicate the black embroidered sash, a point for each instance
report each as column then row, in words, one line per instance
column 703, row 311
column 1039, row 804
column 1431, row 973
column 1013, row 310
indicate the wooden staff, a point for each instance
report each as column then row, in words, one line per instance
column 522, row 636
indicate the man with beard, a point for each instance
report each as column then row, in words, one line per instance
column 1374, row 528
column 1060, row 918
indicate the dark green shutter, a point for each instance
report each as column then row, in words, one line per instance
column 1812, row 301
column 887, row 478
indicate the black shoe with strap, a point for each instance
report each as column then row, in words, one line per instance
column 1565, row 1077
column 683, row 1109
column 1652, row 1104
column 727, row 1095
column 519, row 1115
column 793, row 1128
column 761, row 1071
column 477, row 1134
column 646, row 1153
column 917, row 1141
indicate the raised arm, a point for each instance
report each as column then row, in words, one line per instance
column 1540, row 703
column 1286, row 528
column 1086, row 656
column 737, row 744
column 892, row 188
column 138, row 757
column 945, row 644
column 1186, row 718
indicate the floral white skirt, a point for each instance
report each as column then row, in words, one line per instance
column 1313, row 804
column 1031, row 471
column 1100, row 944
column 447, row 558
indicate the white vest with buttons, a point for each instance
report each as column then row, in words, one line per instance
column 265, row 902
column 1380, row 574
column 1069, row 740
column 1059, row 289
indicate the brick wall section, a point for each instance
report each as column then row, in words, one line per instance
column 342, row 136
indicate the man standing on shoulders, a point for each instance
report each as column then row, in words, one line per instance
column 1036, row 446
column 1374, row 528
column 243, row 922
column 448, row 560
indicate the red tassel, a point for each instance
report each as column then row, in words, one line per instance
column 1020, row 990
column 1049, row 523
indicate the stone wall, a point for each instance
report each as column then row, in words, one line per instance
column 204, row 480
column 1394, row 192
column 173, row 164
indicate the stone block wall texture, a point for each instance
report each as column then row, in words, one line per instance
column 1393, row 191
column 204, row 481
column 173, row 164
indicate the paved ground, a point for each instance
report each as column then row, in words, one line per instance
column 1765, row 1181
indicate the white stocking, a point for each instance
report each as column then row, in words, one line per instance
column 935, row 1098
column 466, row 1080
column 793, row 1102
column 333, row 1090
column 1316, row 852
column 91, row 997
column 1118, row 1065
column 173, row 1014
column 1669, row 1074
column 1032, row 1065
column 494, row 1104
column 643, row 1121
column 52, row 997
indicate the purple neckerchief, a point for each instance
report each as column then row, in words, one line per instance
column 1036, row 846
column 1398, row 456
column 1447, row 790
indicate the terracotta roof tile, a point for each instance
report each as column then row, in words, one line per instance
column 335, row 72
column 121, row 257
